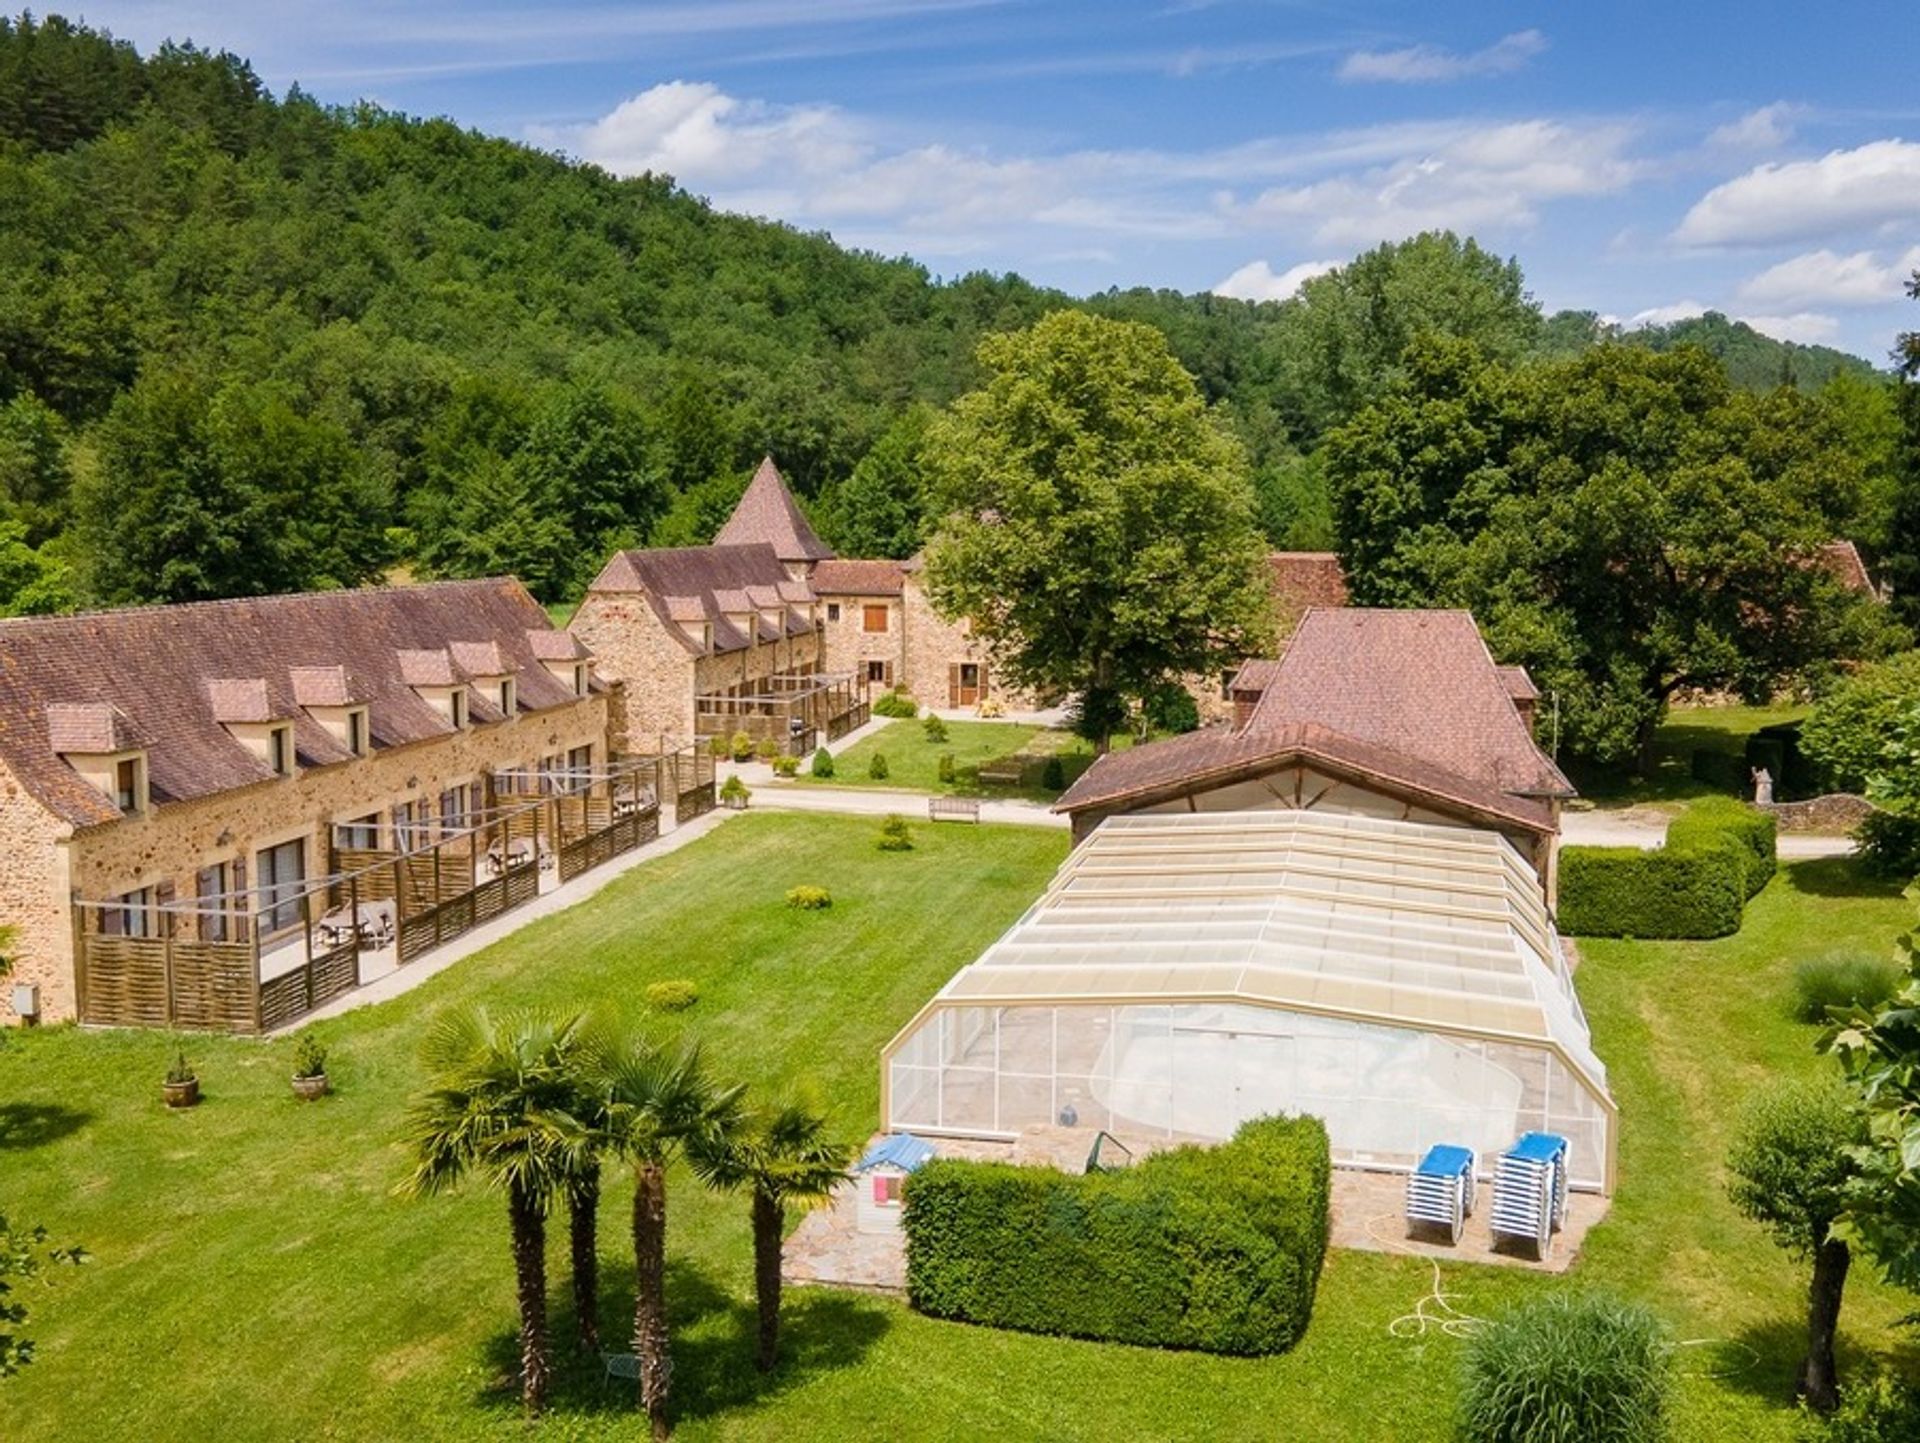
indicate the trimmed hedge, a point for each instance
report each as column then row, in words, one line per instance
column 1717, row 855
column 1214, row 1248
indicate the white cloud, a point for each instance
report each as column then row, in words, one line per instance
column 1768, row 128
column 1666, row 315
column 1256, row 281
column 1873, row 185
column 1823, row 278
column 1807, row 327
column 1482, row 178
column 1417, row 63
column 686, row 129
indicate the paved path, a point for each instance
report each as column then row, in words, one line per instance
column 1647, row 827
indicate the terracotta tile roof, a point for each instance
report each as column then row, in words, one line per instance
column 1421, row 683
column 243, row 699
column 718, row 579
column 1254, row 676
column 1303, row 580
column 1166, row 769
column 90, row 728
column 143, row 675
column 428, row 666
column 549, row 643
column 1842, row 561
column 1519, row 685
column 479, row 658
column 767, row 512
column 859, row 578
column 324, row 686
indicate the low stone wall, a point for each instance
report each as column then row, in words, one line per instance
column 1835, row 812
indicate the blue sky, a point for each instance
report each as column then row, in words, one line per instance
column 1643, row 160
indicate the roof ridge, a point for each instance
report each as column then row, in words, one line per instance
column 142, row 608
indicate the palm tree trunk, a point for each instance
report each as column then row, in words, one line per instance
column 583, row 1214
column 529, row 1225
column 650, row 1294
column 768, row 1224
column 1819, row 1380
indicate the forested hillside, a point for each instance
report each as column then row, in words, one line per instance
column 251, row 343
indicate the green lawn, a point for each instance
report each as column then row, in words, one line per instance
column 913, row 762
column 1685, row 731
column 256, row 1279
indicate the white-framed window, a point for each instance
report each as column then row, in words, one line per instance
column 358, row 737
column 579, row 766
column 509, row 698
column 280, row 751
column 130, row 914
column 457, row 704
column 409, row 825
column 214, row 894
column 358, row 833
column 280, row 875
column 130, row 784
column 456, row 810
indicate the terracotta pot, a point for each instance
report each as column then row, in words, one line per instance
column 309, row 1088
column 181, row 1094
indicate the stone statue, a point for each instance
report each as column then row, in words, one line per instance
column 1762, row 787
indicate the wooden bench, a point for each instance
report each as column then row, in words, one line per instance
column 1006, row 772
column 953, row 809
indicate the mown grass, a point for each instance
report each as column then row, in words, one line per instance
column 913, row 762
column 1669, row 777
column 255, row 1277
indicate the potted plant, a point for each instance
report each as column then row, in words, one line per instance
column 309, row 1068
column 181, row 1086
column 733, row 793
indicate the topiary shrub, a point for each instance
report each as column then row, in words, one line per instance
column 1567, row 1368
column 675, row 994
column 946, row 770
column 1842, row 979
column 742, row 747
column 1053, row 776
column 877, row 766
column 809, row 899
column 1214, row 1248
column 895, row 704
column 1631, row 892
column 894, row 836
column 784, row 766
column 1707, row 821
column 822, row 763
column 935, row 728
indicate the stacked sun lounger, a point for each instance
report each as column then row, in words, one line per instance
column 1530, row 1190
column 1440, row 1189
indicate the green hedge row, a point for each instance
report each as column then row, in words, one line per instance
column 1215, row 1248
column 1718, row 854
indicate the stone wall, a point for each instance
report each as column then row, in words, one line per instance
column 1836, row 812
column 46, row 866
column 934, row 646
column 848, row 646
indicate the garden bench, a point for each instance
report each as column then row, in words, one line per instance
column 953, row 809
column 1008, row 771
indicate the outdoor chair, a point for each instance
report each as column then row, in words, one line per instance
column 1530, row 1190
column 1440, row 1189
column 621, row 1367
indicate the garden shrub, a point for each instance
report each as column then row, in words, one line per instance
column 1214, row 1248
column 1889, row 845
column 822, row 763
column 894, row 836
column 1844, row 738
column 766, row 749
column 719, row 745
column 877, row 766
column 809, row 899
column 1718, row 853
column 1567, row 1368
column 1877, row 1409
column 936, row 729
column 895, row 704
column 947, row 770
column 309, row 1056
column 1170, row 708
column 742, row 747
column 1756, row 831
column 734, row 791
column 784, row 766
column 675, row 994
column 1723, row 771
column 1053, row 776
column 1842, row 979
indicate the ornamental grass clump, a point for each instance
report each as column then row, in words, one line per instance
column 1842, row 980
column 894, row 836
column 809, row 899
column 1568, row 1368
column 674, row 994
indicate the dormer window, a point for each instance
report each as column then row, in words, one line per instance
column 357, row 731
column 509, row 699
column 457, row 703
column 130, row 785
column 280, row 751
column 580, row 679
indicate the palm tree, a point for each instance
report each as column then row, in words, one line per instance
column 496, row 1106
column 783, row 1156
column 655, row 1103
column 583, row 1215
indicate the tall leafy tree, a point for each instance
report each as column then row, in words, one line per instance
column 782, row 1157
column 496, row 1106
column 1627, row 524
column 656, row 1104
column 879, row 509
column 584, row 461
column 1096, row 522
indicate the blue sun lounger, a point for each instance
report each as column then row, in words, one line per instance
column 1440, row 1189
column 1530, row 1190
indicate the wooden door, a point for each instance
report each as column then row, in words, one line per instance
column 965, row 684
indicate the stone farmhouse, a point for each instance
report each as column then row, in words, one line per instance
column 1391, row 714
column 221, row 815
